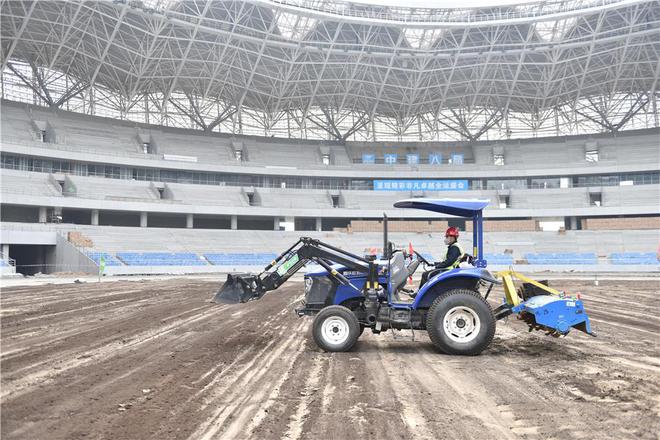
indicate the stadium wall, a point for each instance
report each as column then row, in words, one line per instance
column 617, row 223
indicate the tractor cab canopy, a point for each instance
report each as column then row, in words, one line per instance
column 467, row 208
column 456, row 207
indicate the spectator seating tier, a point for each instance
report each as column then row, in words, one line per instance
column 634, row 258
column 110, row 259
column 562, row 258
column 160, row 259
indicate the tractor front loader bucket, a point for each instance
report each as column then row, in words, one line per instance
column 239, row 288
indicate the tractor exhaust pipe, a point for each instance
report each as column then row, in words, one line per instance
column 239, row 288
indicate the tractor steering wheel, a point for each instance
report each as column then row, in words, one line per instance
column 422, row 259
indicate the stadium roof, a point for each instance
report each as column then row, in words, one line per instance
column 341, row 66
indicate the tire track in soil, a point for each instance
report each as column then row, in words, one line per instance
column 335, row 396
column 154, row 355
column 87, row 337
column 556, row 377
column 311, row 386
column 239, row 399
column 252, row 372
column 85, row 326
column 68, row 361
column 86, row 331
column 432, row 396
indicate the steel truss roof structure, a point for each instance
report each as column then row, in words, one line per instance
column 337, row 70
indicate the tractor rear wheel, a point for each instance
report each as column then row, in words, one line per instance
column 461, row 322
column 336, row 328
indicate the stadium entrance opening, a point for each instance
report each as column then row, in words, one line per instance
column 32, row 259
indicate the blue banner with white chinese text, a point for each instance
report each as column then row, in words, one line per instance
column 420, row 185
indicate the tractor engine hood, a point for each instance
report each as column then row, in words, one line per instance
column 314, row 270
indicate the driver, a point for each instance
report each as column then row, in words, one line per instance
column 453, row 256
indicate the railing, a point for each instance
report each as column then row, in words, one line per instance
column 649, row 179
column 354, row 165
column 7, row 259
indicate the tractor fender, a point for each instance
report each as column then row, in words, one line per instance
column 458, row 278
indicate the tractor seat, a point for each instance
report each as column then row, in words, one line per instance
column 398, row 271
column 412, row 267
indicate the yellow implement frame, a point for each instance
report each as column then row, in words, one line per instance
column 510, row 292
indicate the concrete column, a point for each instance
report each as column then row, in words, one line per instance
column 189, row 221
column 143, row 219
column 289, row 223
column 95, row 217
column 319, row 224
column 573, row 223
column 276, row 224
column 234, row 222
column 5, row 252
column 43, row 214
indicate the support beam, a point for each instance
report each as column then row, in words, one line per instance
column 111, row 39
column 27, row 82
column 144, row 219
column 43, row 214
column 319, row 224
column 189, row 221
column 184, row 58
column 18, row 36
column 95, row 217
column 234, row 222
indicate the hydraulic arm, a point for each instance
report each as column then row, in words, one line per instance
column 244, row 287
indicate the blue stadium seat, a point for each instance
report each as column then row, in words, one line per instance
column 565, row 258
column 160, row 259
column 240, row 259
column 499, row 259
column 629, row 258
column 110, row 260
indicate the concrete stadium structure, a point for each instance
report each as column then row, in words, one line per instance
column 619, row 189
column 548, row 110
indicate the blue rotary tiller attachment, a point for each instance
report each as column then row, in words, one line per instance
column 554, row 314
column 542, row 307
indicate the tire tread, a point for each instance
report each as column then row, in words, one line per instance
column 435, row 339
column 351, row 319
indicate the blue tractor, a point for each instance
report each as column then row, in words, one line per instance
column 348, row 293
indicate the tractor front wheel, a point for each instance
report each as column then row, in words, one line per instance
column 461, row 322
column 336, row 328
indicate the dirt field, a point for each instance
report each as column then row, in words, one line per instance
column 154, row 359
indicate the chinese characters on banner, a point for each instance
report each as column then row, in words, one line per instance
column 457, row 159
column 413, row 159
column 390, row 158
column 420, row 185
